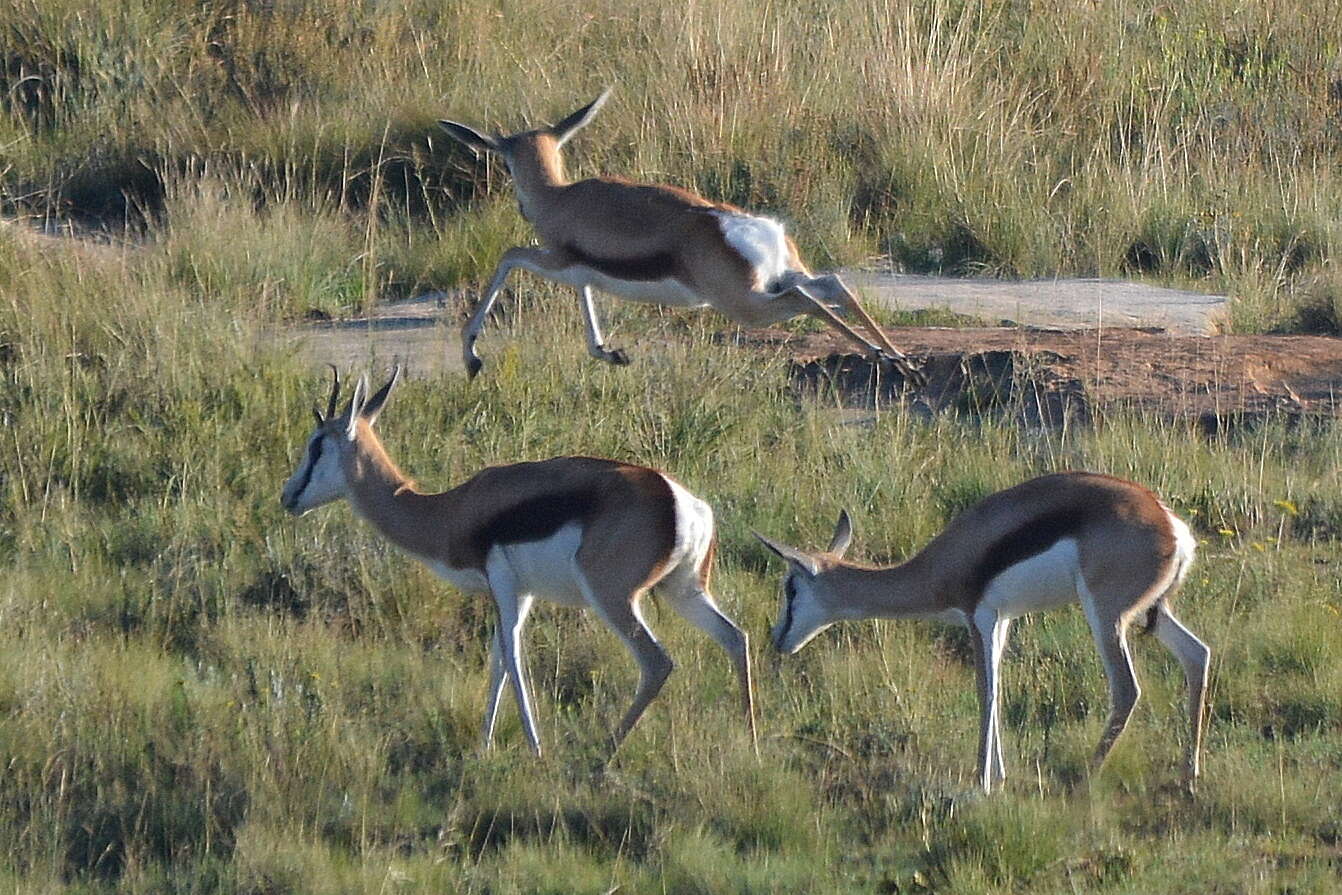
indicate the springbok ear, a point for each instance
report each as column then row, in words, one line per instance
column 793, row 556
column 579, row 119
column 843, row 535
column 370, row 410
column 355, row 406
column 469, row 136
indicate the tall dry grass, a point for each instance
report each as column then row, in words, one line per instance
column 199, row 694
column 1194, row 143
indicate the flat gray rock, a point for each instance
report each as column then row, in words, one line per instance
column 421, row 334
column 1058, row 303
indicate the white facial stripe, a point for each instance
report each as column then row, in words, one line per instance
column 320, row 478
column 803, row 615
column 312, row 455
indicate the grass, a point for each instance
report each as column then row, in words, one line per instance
column 1194, row 144
column 200, row 694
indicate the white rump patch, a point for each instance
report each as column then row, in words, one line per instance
column 760, row 241
column 694, row 526
column 1185, row 545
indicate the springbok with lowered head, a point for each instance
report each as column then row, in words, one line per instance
column 653, row 243
column 578, row 531
column 1109, row 544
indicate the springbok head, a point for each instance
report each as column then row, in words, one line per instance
column 321, row 474
column 528, row 150
column 808, row 607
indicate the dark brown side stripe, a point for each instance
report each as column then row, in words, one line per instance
column 1031, row 539
column 532, row 520
column 657, row 266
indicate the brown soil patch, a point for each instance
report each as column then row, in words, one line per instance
column 1043, row 376
column 1050, row 375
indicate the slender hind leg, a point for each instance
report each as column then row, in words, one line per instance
column 696, row 605
column 618, row 608
column 596, row 343
column 834, row 289
column 817, row 308
column 1111, row 638
column 1195, row 657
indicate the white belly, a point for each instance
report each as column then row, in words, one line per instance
column 468, row 581
column 545, row 569
column 947, row 617
column 658, row 292
column 1043, row 581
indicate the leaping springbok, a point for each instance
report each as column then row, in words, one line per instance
column 1109, row 544
column 653, row 243
column 578, row 531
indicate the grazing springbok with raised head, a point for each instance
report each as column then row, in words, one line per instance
column 573, row 530
column 653, row 243
column 1109, row 544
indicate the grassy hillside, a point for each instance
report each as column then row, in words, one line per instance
column 199, row 694
column 1196, row 142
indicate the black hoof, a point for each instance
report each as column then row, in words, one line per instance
column 617, row 357
column 473, row 367
column 911, row 374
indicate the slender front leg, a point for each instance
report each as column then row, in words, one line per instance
column 513, row 608
column 498, row 676
column 498, row 673
column 538, row 261
column 984, row 628
column 595, row 341
column 999, row 650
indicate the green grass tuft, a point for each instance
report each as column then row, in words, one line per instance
column 200, row 694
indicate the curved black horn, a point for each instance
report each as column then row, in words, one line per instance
column 335, row 392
